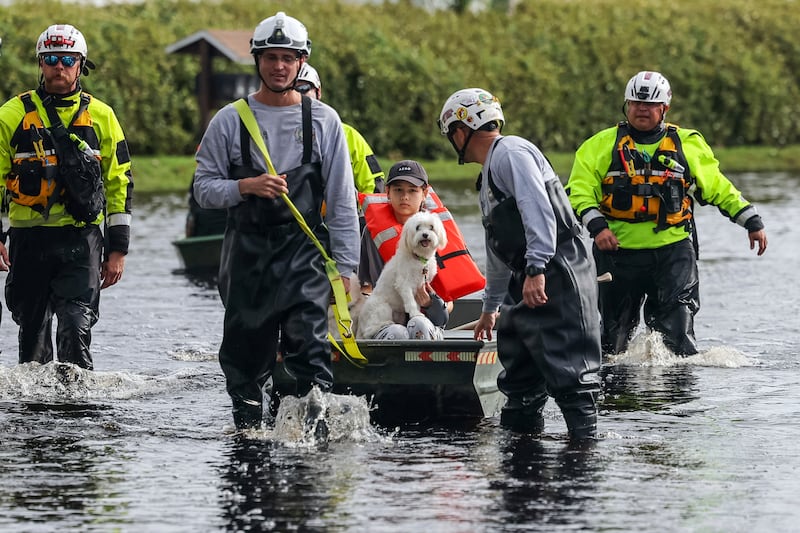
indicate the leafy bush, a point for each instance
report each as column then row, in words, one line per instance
column 558, row 66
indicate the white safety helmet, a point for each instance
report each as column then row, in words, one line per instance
column 280, row 31
column 474, row 107
column 62, row 38
column 648, row 86
column 309, row 74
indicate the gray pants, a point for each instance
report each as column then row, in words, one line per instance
column 419, row 327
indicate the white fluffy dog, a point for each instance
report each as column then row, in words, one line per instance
column 411, row 267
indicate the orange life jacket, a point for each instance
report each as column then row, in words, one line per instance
column 457, row 275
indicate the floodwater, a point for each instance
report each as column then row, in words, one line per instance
column 144, row 443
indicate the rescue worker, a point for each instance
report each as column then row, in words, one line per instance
column 407, row 188
column 272, row 278
column 548, row 340
column 634, row 186
column 367, row 172
column 58, row 258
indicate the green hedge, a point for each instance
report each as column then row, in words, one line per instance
column 558, row 66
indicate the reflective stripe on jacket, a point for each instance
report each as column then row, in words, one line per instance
column 98, row 126
column 709, row 186
column 457, row 275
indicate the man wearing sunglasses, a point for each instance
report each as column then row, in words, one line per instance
column 58, row 257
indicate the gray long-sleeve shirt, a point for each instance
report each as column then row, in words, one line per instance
column 519, row 169
column 281, row 128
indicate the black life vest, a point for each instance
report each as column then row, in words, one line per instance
column 505, row 232
column 34, row 179
column 306, row 187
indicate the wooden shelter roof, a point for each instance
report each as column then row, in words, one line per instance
column 230, row 44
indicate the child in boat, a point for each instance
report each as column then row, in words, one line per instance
column 406, row 190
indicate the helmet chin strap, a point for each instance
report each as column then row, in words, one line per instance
column 463, row 149
column 281, row 91
column 647, row 137
column 289, row 88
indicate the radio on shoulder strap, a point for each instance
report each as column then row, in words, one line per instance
column 79, row 172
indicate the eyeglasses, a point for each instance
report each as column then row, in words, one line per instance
column 52, row 60
column 649, row 105
column 303, row 88
column 283, row 58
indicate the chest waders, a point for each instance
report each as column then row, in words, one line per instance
column 552, row 350
column 275, row 283
column 663, row 281
column 505, row 233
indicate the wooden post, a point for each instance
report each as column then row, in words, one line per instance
column 205, row 88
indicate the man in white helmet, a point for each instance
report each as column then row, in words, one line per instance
column 272, row 277
column 634, row 186
column 548, row 340
column 367, row 172
column 66, row 171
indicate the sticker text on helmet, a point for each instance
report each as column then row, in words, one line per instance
column 58, row 40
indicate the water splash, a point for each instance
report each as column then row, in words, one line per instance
column 721, row 356
column 194, row 354
column 647, row 348
column 300, row 421
column 65, row 382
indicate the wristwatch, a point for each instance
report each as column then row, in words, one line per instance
column 531, row 270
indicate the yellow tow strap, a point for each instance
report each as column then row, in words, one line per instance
column 340, row 310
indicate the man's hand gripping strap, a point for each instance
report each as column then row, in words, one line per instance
column 340, row 309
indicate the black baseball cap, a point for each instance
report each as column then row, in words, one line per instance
column 410, row 171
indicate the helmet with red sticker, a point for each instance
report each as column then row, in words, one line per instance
column 475, row 108
column 62, row 38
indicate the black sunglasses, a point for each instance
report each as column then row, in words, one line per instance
column 52, row 60
column 303, row 88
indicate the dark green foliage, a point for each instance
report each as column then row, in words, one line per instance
column 559, row 67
